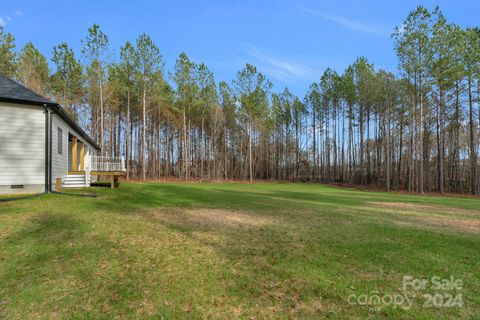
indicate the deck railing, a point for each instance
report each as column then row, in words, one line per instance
column 107, row 164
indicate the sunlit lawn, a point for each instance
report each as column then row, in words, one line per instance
column 227, row 251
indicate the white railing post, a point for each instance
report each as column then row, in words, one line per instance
column 87, row 169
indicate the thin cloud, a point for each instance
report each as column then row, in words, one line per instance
column 2, row 22
column 282, row 69
column 9, row 19
column 348, row 23
column 19, row 13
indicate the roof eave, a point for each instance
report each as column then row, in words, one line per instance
column 22, row 101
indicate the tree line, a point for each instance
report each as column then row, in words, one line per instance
column 416, row 130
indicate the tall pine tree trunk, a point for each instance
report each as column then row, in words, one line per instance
column 144, row 132
column 250, row 168
column 128, row 138
column 102, row 132
column 473, row 153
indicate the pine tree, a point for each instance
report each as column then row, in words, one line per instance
column 67, row 81
column 8, row 63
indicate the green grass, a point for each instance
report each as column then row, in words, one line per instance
column 228, row 251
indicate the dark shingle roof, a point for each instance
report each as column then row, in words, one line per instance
column 12, row 91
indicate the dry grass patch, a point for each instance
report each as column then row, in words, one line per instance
column 418, row 207
column 209, row 217
column 462, row 225
column 432, row 216
column 226, row 217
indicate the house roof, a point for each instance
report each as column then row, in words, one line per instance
column 14, row 92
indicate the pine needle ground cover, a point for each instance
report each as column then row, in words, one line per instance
column 236, row 251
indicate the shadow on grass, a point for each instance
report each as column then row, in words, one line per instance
column 256, row 196
column 48, row 252
column 44, row 240
column 169, row 195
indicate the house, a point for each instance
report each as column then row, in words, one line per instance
column 42, row 148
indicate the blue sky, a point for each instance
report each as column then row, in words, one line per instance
column 292, row 42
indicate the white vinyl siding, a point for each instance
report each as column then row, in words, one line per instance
column 22, row 145
column 59, row 161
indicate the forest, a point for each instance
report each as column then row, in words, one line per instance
column 415, row 129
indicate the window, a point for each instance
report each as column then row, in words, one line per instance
column 60, row 141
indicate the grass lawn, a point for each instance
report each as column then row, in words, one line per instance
column 231, row 250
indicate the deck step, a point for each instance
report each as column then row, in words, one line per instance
column 74, row 181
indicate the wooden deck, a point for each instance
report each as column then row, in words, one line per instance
column 114, row 175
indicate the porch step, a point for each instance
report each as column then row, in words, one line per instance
column 74, row 181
